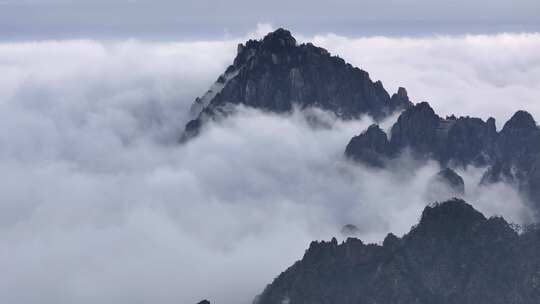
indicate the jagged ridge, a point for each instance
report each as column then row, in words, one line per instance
column 454, row 255
column 512, row 155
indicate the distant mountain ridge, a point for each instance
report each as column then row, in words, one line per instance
column 511, row 155
column 454, row 255
column 277, row 74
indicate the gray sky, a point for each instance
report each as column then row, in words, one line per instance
column 166, row 19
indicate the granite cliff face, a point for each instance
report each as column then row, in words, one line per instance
column 511, row 155
column 277, row 74
column 454, row 255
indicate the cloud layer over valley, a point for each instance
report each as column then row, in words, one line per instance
column 101, row 205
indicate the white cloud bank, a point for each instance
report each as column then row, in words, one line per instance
column 100, row 205
column 493, row 75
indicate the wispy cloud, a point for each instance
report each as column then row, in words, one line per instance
column 99, row 203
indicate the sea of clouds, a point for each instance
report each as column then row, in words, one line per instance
column 100, row 204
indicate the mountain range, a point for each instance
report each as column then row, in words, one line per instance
column 455, row 254
column 511, row 155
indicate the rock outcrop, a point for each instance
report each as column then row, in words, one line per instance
column 350, row 230
column 452, row 179
column 371, row 147
column 454, row 255
column 277, row 74
column 446, row 184
column 511, row 155
column 452, row 141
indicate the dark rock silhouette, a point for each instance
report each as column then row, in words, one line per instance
column 371, row 147
column 204, row 302
column 453, row 179
column 454, row 141
column 350, row 230
column 444, row 185
column 511, row 155
column 277, row 74
column 454, row 255
column 451, row 141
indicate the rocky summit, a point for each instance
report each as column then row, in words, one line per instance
column 371, row 147
column 454, row 255
column 278, row 74
column 511, row 155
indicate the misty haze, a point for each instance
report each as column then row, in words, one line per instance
column 272, row 159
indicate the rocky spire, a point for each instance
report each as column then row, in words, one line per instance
column 401, row 99
column 371, row 147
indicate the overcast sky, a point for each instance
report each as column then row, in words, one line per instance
column 167, row 19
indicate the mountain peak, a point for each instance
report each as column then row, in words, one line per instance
column 520, row 120
column 451, row 214
column 370, row 147
column 402, row 92
column 455, row 255
column 445, row 184
column 424, row 106
column 278, row 39
column 276, row 74
column 421, row 110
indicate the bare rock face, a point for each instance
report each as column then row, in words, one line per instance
column 454, row 255
column 277, row 74
column 446, row 184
